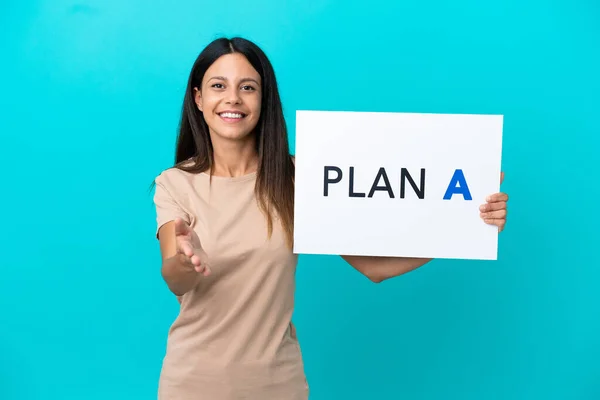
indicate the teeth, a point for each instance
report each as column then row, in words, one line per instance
column 231, row 115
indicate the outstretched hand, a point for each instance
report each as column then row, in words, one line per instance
column 495, row 210
column 189, row 247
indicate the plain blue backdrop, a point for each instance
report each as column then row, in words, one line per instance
column 91, row 93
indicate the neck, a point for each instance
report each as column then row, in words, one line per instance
column 234, row 158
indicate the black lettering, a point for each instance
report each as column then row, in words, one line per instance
column 387, row 187
column 351, row 187
column 420, row 191
column 329, row 180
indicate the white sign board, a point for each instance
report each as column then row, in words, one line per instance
column 396, row 184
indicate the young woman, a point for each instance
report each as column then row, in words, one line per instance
column 225, row 223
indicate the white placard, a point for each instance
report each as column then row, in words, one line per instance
column 439, row 170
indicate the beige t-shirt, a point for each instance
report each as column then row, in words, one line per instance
column 233, row 338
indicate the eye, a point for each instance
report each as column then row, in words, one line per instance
column 248, row 88
column 217, row 86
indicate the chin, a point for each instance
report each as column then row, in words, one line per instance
column 231, row 134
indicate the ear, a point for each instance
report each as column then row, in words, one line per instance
column 198, row 98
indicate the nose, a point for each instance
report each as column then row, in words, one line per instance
column 233, row 96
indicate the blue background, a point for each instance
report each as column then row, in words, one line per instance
column 91, row 94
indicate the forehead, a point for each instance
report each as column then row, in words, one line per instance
column 232, row 67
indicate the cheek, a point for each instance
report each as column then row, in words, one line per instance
column 256, row 105
column 208, row 105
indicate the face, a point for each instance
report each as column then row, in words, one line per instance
column 230, row 97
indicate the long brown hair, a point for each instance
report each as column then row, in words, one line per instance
column 275, row 176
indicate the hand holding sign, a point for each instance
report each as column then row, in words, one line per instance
column 494, row 211
column 189, row 247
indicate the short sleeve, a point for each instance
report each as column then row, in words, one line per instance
column 167, row 207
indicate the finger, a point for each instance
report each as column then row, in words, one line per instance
column 501, row 177
column 500, row 214
column 204, row 270
column 199, row 265
column 185, row 260
column 200, row 261
column 493, row 206
column 493, row 198
column 196, row 260
column 199, row 251
column 500, row 223
column 186, row 248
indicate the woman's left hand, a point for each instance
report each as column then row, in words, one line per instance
column 494, row 211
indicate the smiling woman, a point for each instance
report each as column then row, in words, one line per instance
column 224, row 215
column 225, row 224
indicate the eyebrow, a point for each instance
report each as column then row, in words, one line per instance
column 222, row 78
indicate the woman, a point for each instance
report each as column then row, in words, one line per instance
column 225, row 223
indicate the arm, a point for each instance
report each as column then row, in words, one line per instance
column 177, row 269
column 184, row 262
column 378, row 269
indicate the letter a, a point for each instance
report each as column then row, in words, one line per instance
column 463, row 189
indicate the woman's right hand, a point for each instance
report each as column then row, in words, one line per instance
column 189, row 249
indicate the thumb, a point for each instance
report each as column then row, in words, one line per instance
column 501, row 177
column 181, row 227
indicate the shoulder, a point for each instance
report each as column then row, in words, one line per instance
column 174, row 175
column 177, row 183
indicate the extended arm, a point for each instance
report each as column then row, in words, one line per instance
column 177, row 269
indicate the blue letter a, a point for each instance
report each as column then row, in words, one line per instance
column 463, row 189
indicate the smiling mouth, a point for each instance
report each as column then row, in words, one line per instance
column 232, row 116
